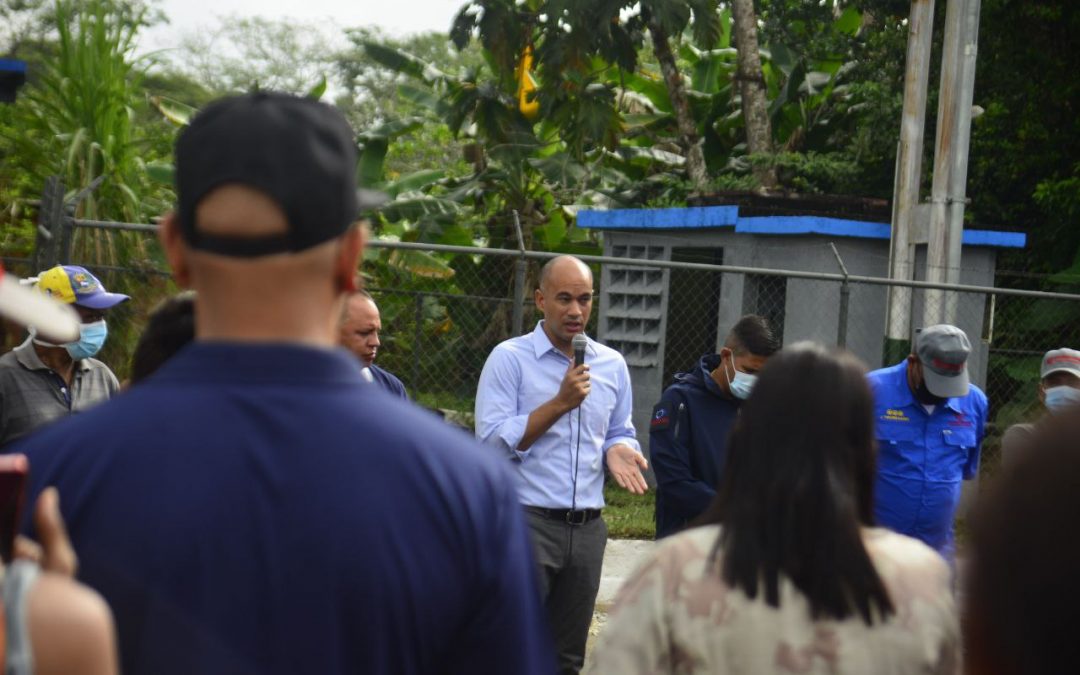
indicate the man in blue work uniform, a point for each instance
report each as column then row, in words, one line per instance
column 689, row 429
column 255, row 506
column 930, row 426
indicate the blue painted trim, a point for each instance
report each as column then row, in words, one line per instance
column 812, row 225
column 995, row 238
column 704, row 217
column 855, row 228
column 12, row 66
column 693, row 217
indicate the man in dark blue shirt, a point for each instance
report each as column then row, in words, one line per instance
column 359, row 333
column 256, row 507
column 930, row 423
column 688, row 432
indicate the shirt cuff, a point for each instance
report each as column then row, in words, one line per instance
column 624, row 440
column 511, row 432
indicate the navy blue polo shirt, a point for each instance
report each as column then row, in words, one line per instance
column 388, row 381
column 923, row 457
column 263, row 509
column 688, row 438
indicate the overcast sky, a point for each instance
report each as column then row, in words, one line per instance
column 397, row 17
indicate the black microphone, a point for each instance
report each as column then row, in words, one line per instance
column 579, row 342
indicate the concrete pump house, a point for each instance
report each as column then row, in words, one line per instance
column 662, row 320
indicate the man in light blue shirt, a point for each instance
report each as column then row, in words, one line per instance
column 559, row 424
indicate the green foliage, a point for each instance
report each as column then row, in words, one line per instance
column 1024, row 147
column 77, row 119
column 84, row 117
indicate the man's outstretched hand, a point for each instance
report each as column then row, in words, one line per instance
column 626, row 464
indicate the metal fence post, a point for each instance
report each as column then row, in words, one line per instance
column 67, row 234
column 418, row 334
column 520, row 264
column 50, row 216
column 845, row 296
column 68, row 223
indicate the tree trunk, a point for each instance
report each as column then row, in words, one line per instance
column 695, row 157
column 755, row 105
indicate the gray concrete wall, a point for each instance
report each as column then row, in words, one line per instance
column 811, row 308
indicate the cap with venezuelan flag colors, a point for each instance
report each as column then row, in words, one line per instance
column 75, row 285
column 29, row 308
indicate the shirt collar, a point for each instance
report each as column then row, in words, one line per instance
column 542, row 343
column 28, row 357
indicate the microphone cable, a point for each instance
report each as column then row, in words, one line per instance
column 574, row 463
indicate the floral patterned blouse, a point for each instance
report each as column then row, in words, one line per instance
column 675, row 615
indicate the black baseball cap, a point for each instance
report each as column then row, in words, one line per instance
column 297, row 151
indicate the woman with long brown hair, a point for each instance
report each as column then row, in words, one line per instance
column 786, row 573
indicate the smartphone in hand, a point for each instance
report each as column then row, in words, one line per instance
column 14, row 472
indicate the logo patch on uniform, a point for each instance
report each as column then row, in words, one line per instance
column 894, row 415
column 660, row 417
column 960, row 420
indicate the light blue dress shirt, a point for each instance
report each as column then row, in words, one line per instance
column 525, row 372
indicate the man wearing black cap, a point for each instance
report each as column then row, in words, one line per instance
column 258, row 507
column 930, row 426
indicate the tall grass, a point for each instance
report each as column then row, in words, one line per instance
column 78, row 117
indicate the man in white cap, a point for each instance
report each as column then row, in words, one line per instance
column 1059, row 388
column 930, row 424
column 42, row 380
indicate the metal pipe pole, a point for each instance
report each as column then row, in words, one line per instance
column 845, row 297
column 721, row 269
column 969, row 47
column 418, row 335
column 519, row 282
column 908, row 176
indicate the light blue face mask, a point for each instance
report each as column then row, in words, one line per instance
column 1059, row 398
column 741, row 384
column 91, row 339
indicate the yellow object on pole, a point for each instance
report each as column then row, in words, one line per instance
column 527, row 103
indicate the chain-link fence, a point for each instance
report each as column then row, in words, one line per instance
column 445, row 307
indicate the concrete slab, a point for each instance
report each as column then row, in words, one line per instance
column 621, row 557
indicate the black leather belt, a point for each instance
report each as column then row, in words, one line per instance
column 566, row 515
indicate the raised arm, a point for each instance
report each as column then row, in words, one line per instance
column 498, row 419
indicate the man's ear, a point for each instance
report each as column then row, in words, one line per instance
column 1042, row 393
column 172, row 242
column 348, row 259
column 538, row 297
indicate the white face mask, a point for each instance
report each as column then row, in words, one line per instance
column 740, row 384
column 1061, row 397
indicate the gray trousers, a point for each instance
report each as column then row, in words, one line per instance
column 570, row 558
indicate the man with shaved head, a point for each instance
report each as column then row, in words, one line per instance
column 257, row 506
column 559, row 424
